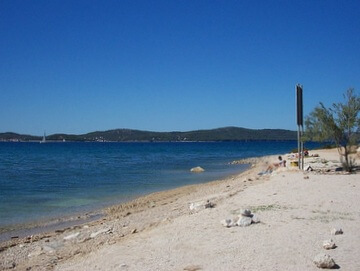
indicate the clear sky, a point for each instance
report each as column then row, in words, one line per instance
column 71, row 66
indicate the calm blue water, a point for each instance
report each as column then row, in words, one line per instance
column 40, row 181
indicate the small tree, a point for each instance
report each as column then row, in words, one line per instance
column 341, row 124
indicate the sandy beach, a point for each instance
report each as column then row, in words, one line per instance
column 173, row 230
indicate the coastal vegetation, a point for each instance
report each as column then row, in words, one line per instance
column 339, row 123
column 128, row 135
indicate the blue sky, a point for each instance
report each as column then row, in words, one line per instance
column 80, row 66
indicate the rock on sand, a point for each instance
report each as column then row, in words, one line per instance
column 324, row 261
column 329, row 244
column 197, row 169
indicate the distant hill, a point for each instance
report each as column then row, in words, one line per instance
column 9, row 136
column 128, row 135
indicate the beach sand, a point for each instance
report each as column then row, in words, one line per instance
column 297, row 211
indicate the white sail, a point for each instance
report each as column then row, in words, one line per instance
column 43, row 139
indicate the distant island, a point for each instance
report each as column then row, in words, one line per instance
column 128, row 135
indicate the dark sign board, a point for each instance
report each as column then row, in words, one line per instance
column 299, row 104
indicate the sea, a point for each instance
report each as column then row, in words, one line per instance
column 51, row 180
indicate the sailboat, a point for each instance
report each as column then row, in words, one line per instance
column 43, row 140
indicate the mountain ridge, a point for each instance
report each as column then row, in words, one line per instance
column 229, row 133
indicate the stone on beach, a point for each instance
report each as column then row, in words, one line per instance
column 209, row 204
column 246, row 212
column 244, row 221
column 197, row 169
column 72, row 236
column 329, row 244
column 227, row 222
column 336, row 231
column 196, row 206
column 94, row 234
column 324, row 261
column 255, row 219
column 193, row 268
column 246, row 218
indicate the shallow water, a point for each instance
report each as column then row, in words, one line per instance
column 42, row 181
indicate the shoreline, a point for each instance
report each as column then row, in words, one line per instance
column 161, row 202
column 57, row 223
column 22, row 230
column 163, row 216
